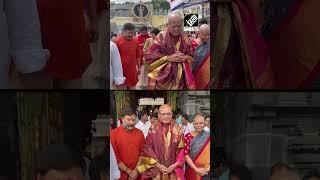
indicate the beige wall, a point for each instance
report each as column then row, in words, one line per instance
column 157, row 21
column 121, row 20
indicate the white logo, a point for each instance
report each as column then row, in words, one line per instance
column 192, row 20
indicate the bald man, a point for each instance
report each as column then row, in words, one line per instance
column 201, row 64
column 162, row 156
column 170, row 57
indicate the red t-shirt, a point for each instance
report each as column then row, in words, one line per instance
column 127, row 146
column 129, row 52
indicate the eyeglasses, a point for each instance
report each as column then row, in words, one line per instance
column 166, row 114
column 198, row 123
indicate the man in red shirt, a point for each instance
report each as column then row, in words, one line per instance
column 127, row 142
column 128, row 46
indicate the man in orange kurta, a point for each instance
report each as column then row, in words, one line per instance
column 127, row 142
column 128, row 46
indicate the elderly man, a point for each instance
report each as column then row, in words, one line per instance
column 201, row 64
column 170, row 57
column 162, row 156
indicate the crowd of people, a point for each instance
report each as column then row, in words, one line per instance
column 163, row 146
column 279, row 171
column 168, row 59
column 46, row 43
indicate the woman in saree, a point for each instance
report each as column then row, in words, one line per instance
column 197, row 151
column 201, row 63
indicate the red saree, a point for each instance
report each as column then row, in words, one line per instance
column 198, row 148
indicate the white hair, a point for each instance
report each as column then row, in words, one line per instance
column 173, row 13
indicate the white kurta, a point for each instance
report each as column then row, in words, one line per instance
column 206, row 129
column 116, row 71
column 144, row 127
column 20, row 38
column 188, row 128
column 114, row 170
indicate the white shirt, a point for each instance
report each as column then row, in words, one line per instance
column 114, row 169
column 20, row 38
column 206, row 129
column 188, row 128
column 144, row 127
column 118, row 123
column 116, row 71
